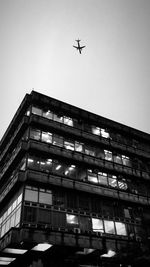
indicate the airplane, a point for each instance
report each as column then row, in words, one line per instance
column 79, row 47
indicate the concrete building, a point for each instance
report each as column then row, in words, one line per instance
column 74, row 189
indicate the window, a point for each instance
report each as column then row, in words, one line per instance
column 78, row 147
column 68, row 121
column 69, row 145
column 48, row 114
column 92, row 177
column 70, row 171
column 104, row 133
column 109, row 227
column 71, row 219
column 31, row 195
column 96, row 130
column 118, row 159
column 97, row 225
column 58, row 118
column 47, row 137
column 112, row 181
column 45, row 198
column 102, row 178
column 122, row 184
column 58, row 167
column 126, row 161
column 46, row 165
column 120, row 228
column 108, row 155
column 37, row 111
column 58, row 140
column 33, row 163
column 89, row 151
column 35, row 134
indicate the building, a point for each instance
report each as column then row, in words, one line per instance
column 74, row 189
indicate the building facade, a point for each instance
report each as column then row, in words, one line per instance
column 74, row 189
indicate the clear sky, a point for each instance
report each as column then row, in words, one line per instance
column 112, row 75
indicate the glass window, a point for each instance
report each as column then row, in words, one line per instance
column 108, row 155
column 104, row 133
column 57, row 140
column 78, row 146
column 92, row 177
column 118, row 159
column 58, row 167
column 126, row 161
column 18, row 213
column 33, row 163
column 120, row 228
column 122, row 184
column 97, row 225
column 12, row 220
column 35, row 134
column 72, row 219
column 69, row 145
column 47, row 137
column 96, row 130
column 102, row 178
column 37, row 111
column 70, row 171
column 58, row 118
column 109, row 227
column 112, row 181
column 68, row 121
column 31, row 195
column 48, row 114
column 45, row 198
column 89, row 151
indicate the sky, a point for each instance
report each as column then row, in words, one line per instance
column 110, row 78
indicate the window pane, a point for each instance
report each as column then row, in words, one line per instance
column 72, row 219
column 37, row 111
column 18, row 213
column 78, row 147
column 126, row 161
column 97, row 225
column 118, row 159
column 68, row 121
column 96, row 130
column 33, row 163
column 57, row 140
column 89, row 151
column 108, row 155
column 104, row 133
column 58, row 118
column 92, row 177
column 112, row 182
column 48, row 114
column 69, row 145
column 31, row 195
column 102, row 178
column 120, row 228
column 58, row 167
column 70, row 171
column 109, row 227
column 35, row 134
column 47, row 137
column 122, row 184
column 45, row 198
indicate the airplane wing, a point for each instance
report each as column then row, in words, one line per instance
column 75, row 46
column 82, row 46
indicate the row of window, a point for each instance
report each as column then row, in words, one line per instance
column 73, row 145
column 11, row 217
column 63, row 220
column 81, row 202
column 68, row 121
column 93, row 129
column 74, row 171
